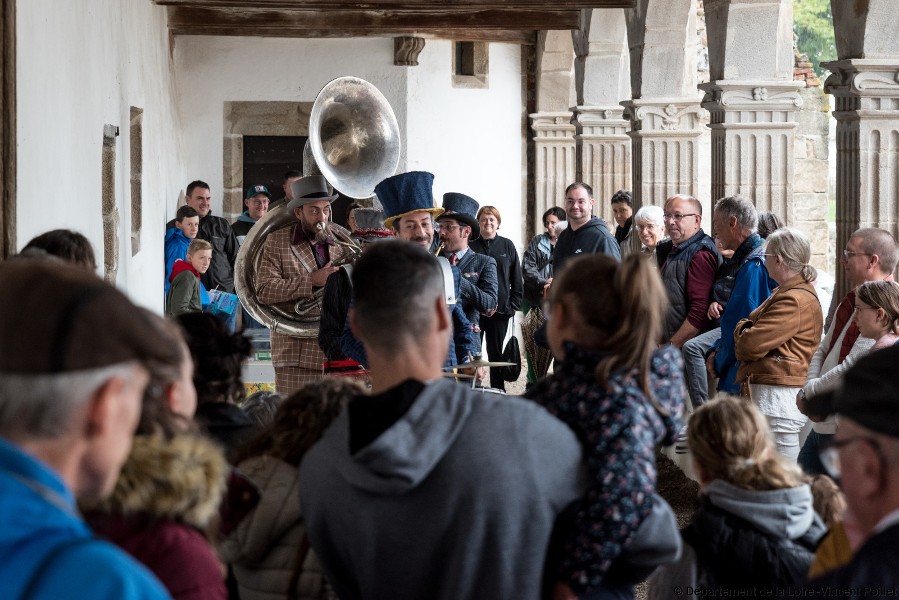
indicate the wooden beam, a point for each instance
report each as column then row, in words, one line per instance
column 300, row 23
column 522, row 38
column 441, row 5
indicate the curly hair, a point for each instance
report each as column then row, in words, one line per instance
column 218, row 357
column 300, row 420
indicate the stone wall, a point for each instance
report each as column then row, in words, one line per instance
column 810, row 185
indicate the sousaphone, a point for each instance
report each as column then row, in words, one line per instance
column 354, row 141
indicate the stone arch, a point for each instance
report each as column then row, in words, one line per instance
column 866, row 29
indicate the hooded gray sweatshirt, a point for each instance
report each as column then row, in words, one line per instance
column 455, row 500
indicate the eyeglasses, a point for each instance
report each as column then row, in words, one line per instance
column 830, row 456
column 650, row 227
column 444, row 226
column 677, row 216
column 847, row 254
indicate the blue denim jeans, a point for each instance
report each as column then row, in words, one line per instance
column 808, row 456
column 694, row 352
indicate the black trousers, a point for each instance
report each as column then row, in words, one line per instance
column 494, row 330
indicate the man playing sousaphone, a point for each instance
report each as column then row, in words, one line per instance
column 296, row 261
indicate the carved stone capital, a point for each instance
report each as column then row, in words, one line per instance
column 548, row 125
column 749, row 102
column 406, row 51
column 665, row 115
column 863, row 77
column 600, row 121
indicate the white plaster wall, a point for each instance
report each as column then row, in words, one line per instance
column 471, row 139
column 213, row 70
column 82, row 64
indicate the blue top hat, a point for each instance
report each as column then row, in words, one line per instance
column 406, row 193
column 462, row 208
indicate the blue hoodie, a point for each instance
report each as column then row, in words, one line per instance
column 176, row 244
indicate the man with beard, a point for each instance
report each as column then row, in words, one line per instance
column 295, row 264
column 480, row 283
column 585, row 234
column 409, row 210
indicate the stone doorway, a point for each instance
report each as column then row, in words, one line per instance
column 243, row 119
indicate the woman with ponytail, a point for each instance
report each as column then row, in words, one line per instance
column 776, row 342
column 756, row 526
column 622, row 396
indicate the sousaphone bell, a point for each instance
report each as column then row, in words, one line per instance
column 354, row 139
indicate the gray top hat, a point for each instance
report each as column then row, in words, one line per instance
column 310, row 189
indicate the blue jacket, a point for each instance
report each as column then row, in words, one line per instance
column 176, row 244
column 38, row 517
column 752, row 286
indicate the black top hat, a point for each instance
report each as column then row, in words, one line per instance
column 462, row 208
column 310, row 189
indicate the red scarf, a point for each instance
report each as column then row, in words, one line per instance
column 843, row 316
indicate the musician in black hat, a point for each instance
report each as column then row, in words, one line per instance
column 459, row 225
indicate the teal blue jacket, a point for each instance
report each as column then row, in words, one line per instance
column 47, row 552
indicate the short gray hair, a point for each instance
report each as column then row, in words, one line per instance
column 739, row 207
column 653, row 214
column 42, row 405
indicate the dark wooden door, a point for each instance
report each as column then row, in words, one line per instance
column 267, row 157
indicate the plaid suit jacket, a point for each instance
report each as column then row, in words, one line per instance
column 283, row 277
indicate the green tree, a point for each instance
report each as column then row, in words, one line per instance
column 813, row 25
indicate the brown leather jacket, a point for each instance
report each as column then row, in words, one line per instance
column 776, row 342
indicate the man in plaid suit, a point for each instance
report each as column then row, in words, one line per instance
column 295, row 263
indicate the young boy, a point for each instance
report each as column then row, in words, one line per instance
column 178, row 238
column 184, row 292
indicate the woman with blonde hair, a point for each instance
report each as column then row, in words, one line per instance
column 619, row 393
column 756, row 525
column 776, row 342
column 877, row 312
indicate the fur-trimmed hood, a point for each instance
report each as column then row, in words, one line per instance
column 182, row 479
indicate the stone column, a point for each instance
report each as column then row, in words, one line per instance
column 602, row 80
column 753, row 127
column 555, row 162
column 604, row 152
column 665, row 147
column 867, row 114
